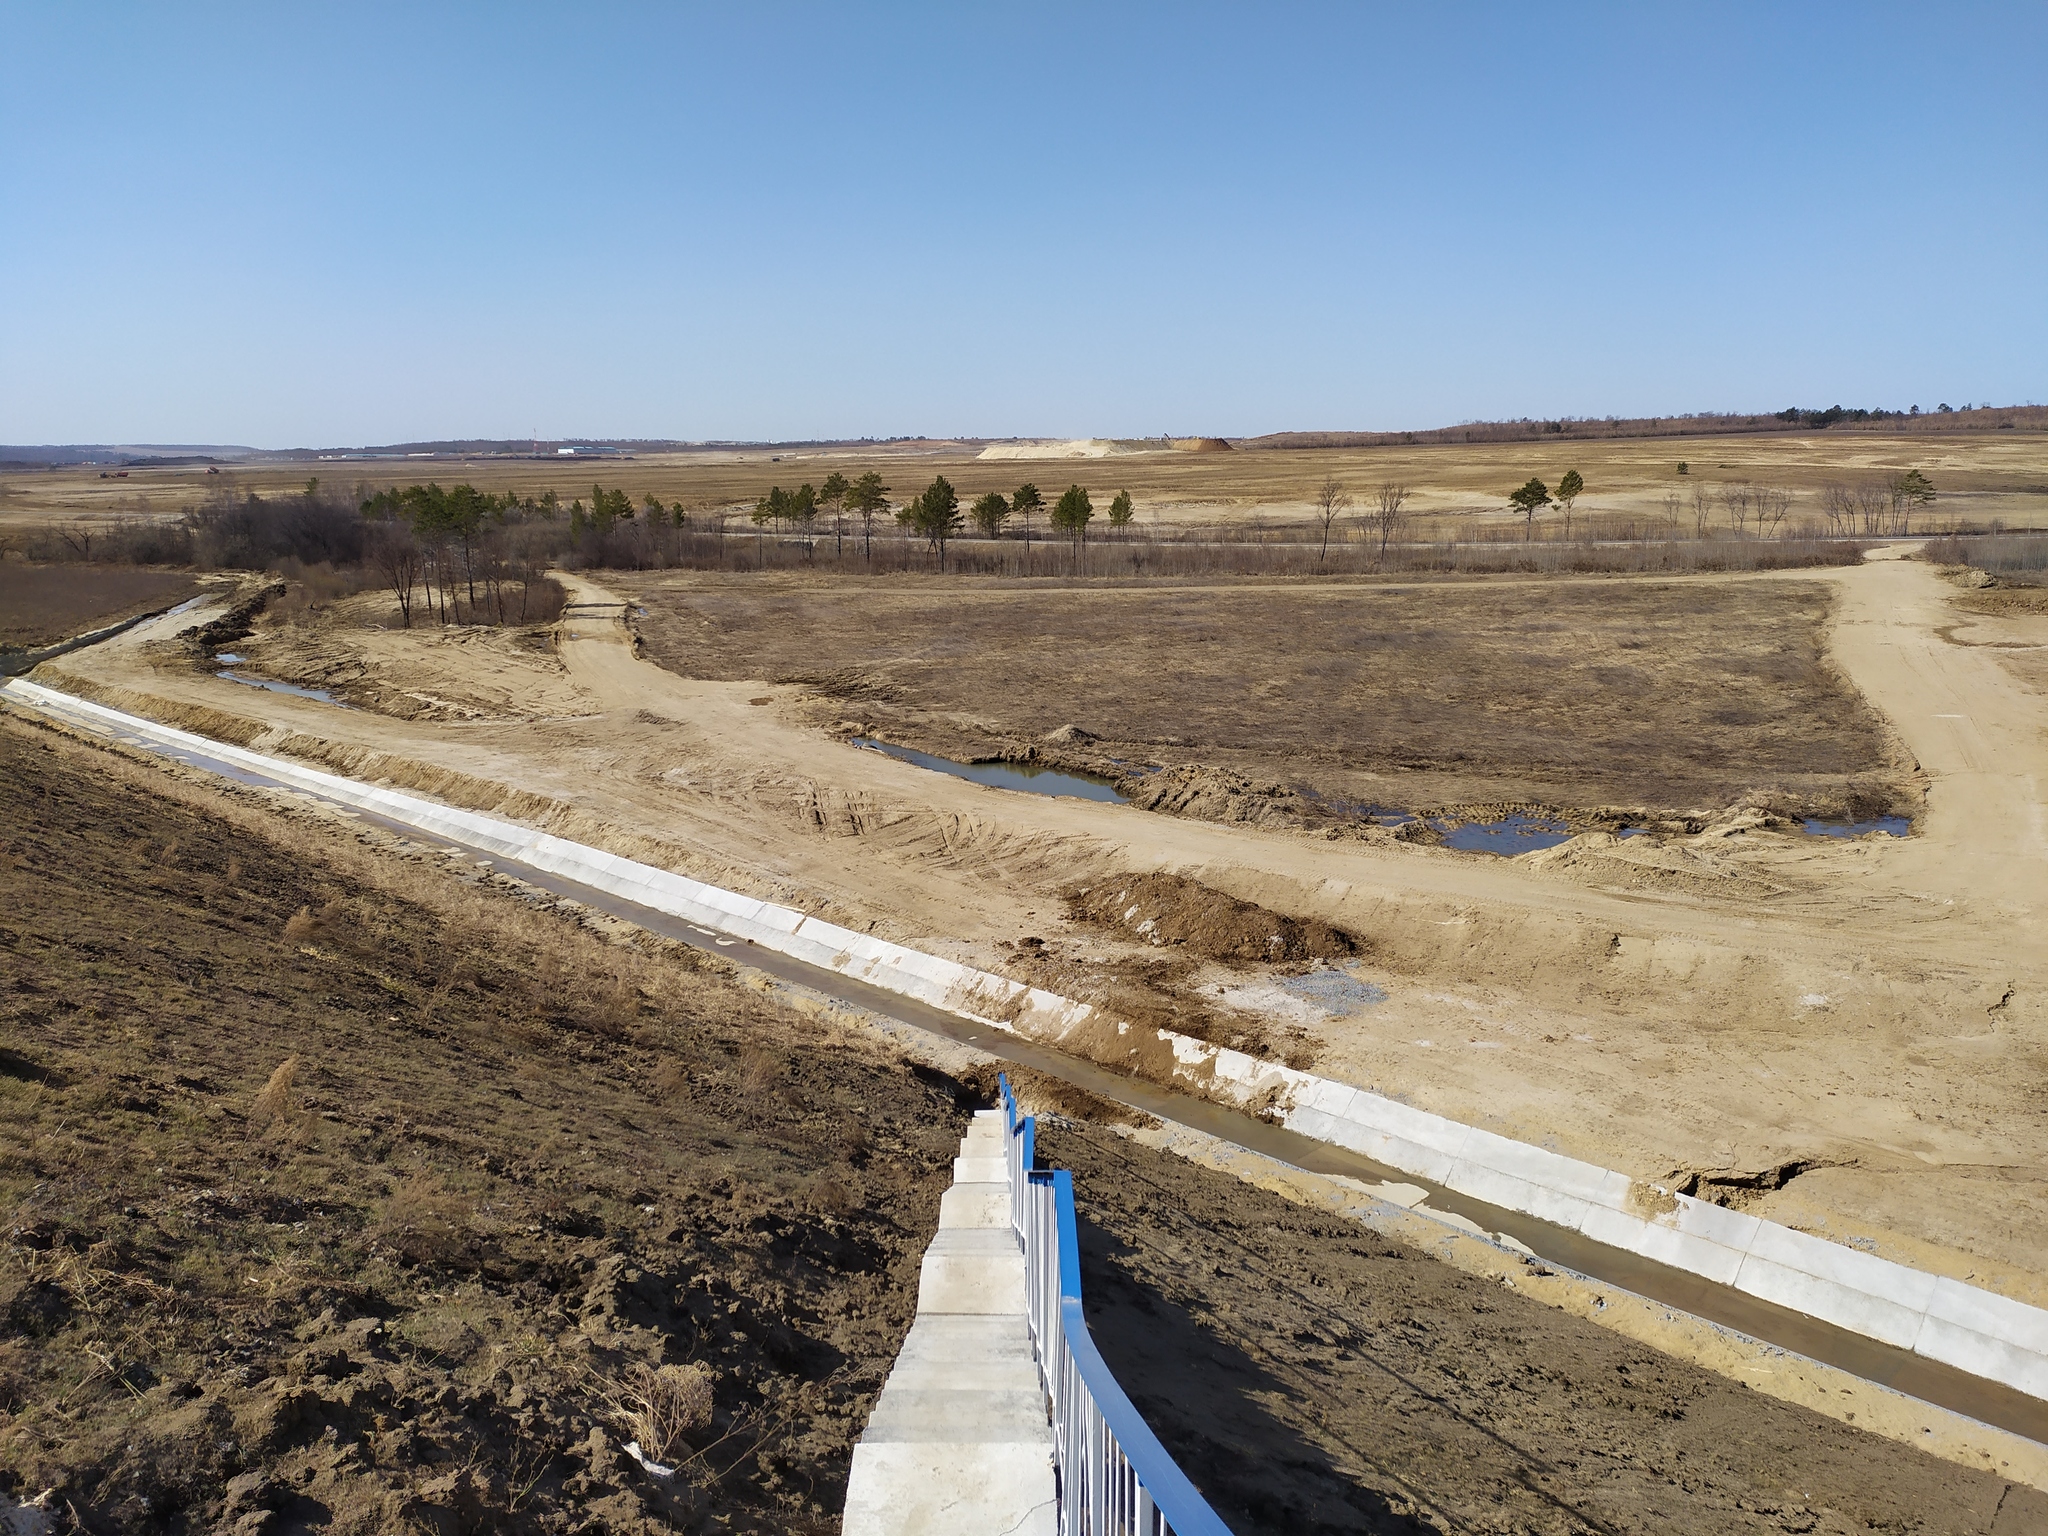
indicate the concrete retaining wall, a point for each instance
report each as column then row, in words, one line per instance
column 1960, row 1325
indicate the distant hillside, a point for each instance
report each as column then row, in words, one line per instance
column 2028, row 418
column 123, row 453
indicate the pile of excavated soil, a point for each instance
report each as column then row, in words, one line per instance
column 339, row 1193
column 1174, row 910
column 1313, row 1377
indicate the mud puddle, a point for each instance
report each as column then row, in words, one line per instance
column 321, row 695
column 1028, row 777
column 1896, row 826
column 1505, row 838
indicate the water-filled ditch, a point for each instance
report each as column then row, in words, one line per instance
column 1506, row 837
column 319, row 694
column 1025, row 776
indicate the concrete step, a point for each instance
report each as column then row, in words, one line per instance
column 934, row 1488
column 973, row 1278
column 968, row 1340
column 981, row 1170
column 975, row 1205
column 958, row 1415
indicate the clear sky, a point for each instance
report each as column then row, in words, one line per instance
column 315, row 225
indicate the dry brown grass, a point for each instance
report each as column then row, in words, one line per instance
column 42, row 604
column 661, row 1407
column 274, row 1099
column 1651, row 693
column 1981, row 476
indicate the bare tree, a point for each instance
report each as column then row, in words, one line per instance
column 1873, row 501
column 1671, row 504
column 397, row 558
column 1385, row 516
column 1702, row 507
column 1838, row 506
column 1769, row 504
column 1735, row 500
column 1331, row 499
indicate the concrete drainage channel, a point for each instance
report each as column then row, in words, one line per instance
column 1954, row 1345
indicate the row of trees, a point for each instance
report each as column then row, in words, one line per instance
column 934, row 514
column 1877, row 506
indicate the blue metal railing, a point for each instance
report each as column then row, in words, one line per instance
column 1114, row 1477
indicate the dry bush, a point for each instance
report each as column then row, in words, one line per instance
column 828, row 1196
column 853, row 1138
column 659, row 1408
column 760, row 1069
column 670, row 1078
column 426, row 1222
column 274, row 1099
column 301, row 925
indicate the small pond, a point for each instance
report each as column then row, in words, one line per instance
column 1508, row 836
column 1025, row 776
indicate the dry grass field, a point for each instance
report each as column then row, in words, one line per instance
column 1665, row 695
column 1981, row 476
column 42, row 604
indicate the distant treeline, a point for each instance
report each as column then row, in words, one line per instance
column 1943, row 418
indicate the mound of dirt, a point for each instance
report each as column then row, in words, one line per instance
column 1172, row 909
column 238, row 623
column 1201, row 445
column 1216, row 794
column 1071, row 735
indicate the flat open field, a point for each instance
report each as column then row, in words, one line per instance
column 42, row 604
column 1980, row 476
column 1667, row 695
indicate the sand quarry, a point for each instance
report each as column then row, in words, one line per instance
column 1844, row 1035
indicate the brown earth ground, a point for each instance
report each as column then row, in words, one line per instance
column 1640, row 694
column 1847, row 1037
column 42, row 604
column 1319, row 1378
column 1981, row 476
column 337, row 1188
column 416, row 1283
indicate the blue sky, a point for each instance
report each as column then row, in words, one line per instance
column 298, row 225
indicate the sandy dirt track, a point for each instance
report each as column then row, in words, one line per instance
column 1844, row 1037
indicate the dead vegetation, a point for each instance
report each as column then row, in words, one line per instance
column 338, row 1192
column 1294, row 703
column 42, row 604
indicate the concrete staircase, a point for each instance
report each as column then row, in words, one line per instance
column 959, row 1444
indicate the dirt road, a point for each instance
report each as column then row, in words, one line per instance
column 1944, row 680
column 1844, row 1037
